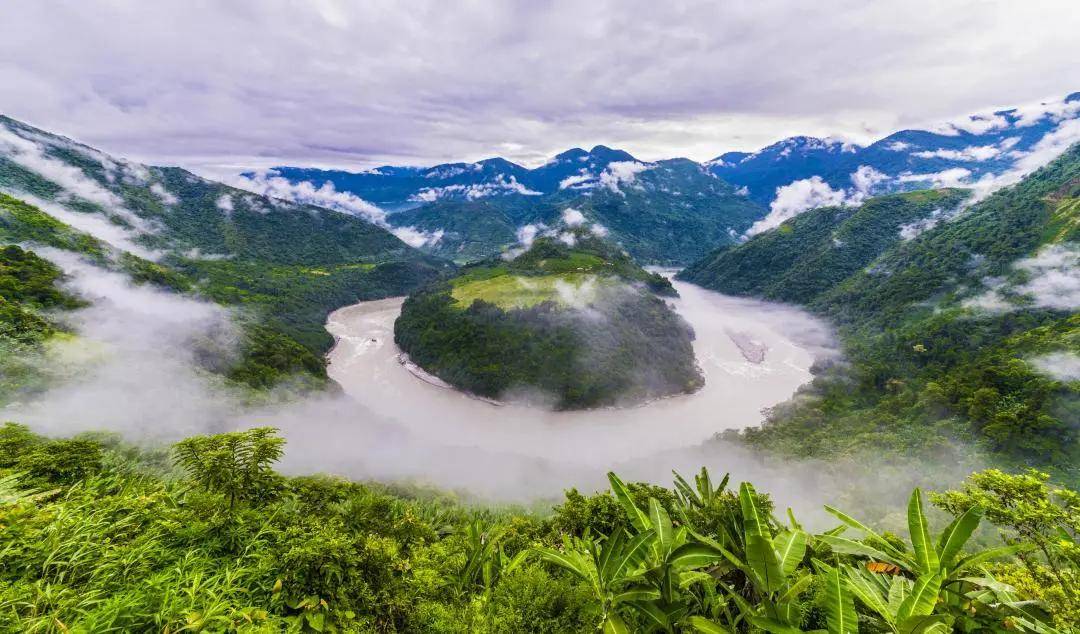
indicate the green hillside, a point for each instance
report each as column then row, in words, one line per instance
column 944, row 333
column 285, row 265
column 583, row 325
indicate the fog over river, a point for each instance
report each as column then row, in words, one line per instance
column 443, row 436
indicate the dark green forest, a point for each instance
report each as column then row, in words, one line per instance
column 919, row 356
column 624, row 345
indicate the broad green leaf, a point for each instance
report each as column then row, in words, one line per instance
column 689, row 556
column 638, row 518
column 636, row 594
column 761, row 558
column 791, row 547
column 956, row 534
column 870, row 534
column 631, row 555
column 925, row 555
column 684, row 489
column 898, row 592
column 839, row 604
column 661, row 525
column 753, row 522
column 773, row 626
column 566, row 561
column 613, row 624
column 688, row 578
column 846, row 546
column 705, row 626
column 923, row 597
column 794, row 590
column 929, row 624
column 868, row 593
column 653, row 613
column 612, row 546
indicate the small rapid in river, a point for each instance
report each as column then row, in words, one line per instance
column 753, row 355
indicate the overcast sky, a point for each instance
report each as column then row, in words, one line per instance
column 253, row 83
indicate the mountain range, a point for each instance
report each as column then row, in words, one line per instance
column 671, row 211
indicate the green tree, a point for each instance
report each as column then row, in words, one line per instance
column 235, row 464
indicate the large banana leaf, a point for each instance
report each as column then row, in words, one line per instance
column 926, row 557
column 923, row 598
column 753, row 520
column 761, row 559
column 869, row 593
column 661, row 525
column 703, row 625
column 956, row 534
column 773, row 626
column 839, row 605
column 614, row 624
column 638, row 518
column 989, row 555
column 877, row 540
column 629, row 557
column 693, row 555
column 791, row 548
column 931, row 624
column 846, row 546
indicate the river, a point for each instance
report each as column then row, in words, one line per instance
column 455, row 427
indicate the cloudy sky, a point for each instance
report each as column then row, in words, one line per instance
column 255, row 83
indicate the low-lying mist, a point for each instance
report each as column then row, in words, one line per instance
column 136, row 368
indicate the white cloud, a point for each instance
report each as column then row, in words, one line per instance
column 742, row 191
column 225, row 203
column 621, row 173
column 268, row 183
column 865, row 179
column 952, row 177
column 500, row 186
column 163, row 194
column 206, row 88
column 1063, row 366
column 897, row 146
column 1053, row 281
column 1055, row 277
column 1049, row 147
column 417, row 238
column 1057, row 110
column 527, row 233
column 572, row 217
column 796, row 197
column 583, row 180
column 971, row 153
column 599, row 230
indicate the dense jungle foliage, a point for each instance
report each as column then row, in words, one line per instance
column 571, row 326
column 927, row 359
column 98, row 536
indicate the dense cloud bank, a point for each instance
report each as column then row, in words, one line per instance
column 253, row 83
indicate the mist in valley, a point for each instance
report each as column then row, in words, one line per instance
column 138, row 367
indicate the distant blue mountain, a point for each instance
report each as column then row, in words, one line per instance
column 980, row 144
column 397, row 188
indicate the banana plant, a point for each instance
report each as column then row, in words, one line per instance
column 612, row 568
column 771, row 564
column 673, row 562
column 927, row 558
column 485, row 560
column 907, row 590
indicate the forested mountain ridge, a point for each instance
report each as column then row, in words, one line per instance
column 667, row 212
column 286, row 265
column 964, row 329
column 570, row 322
